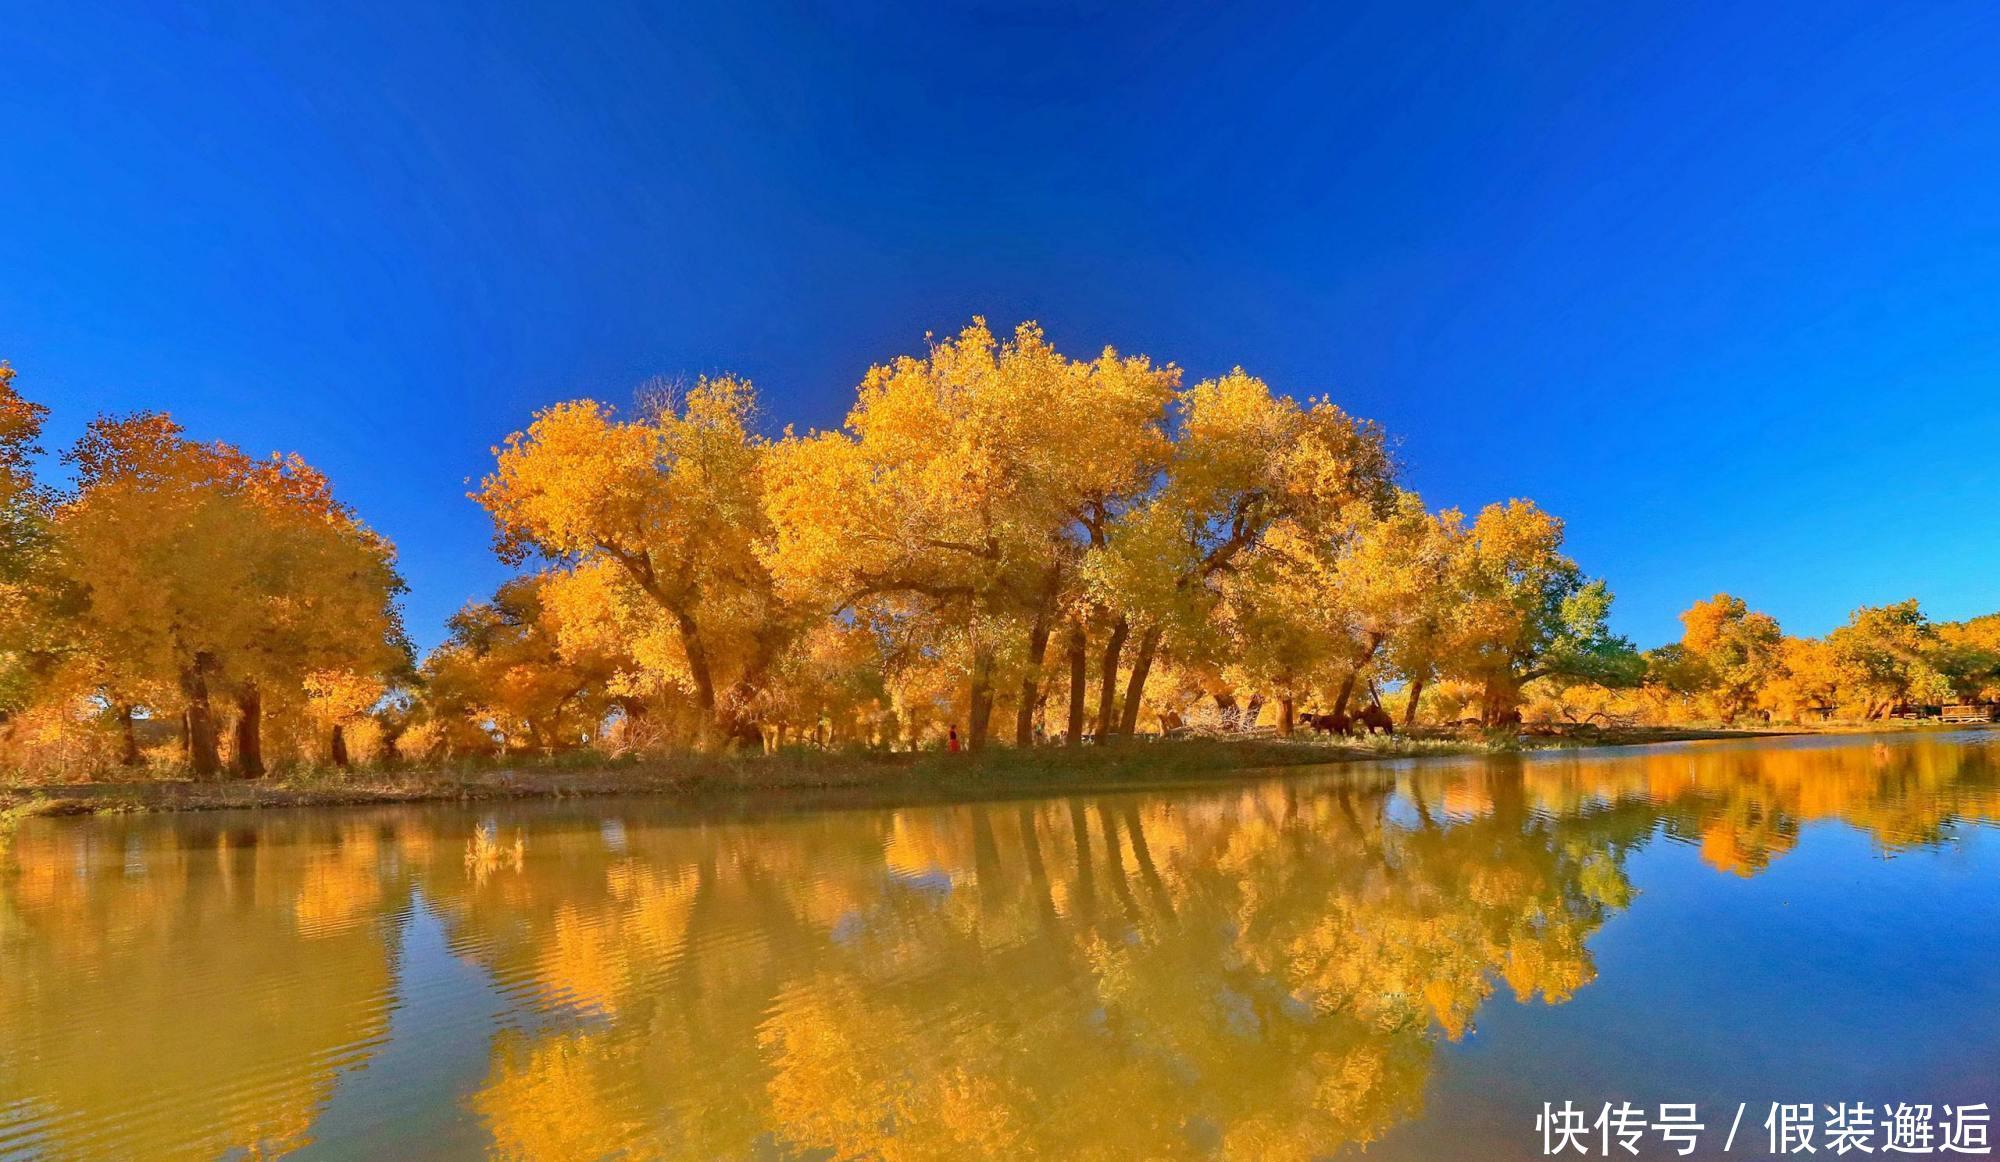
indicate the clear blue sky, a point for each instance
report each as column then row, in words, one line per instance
column 1718, row 283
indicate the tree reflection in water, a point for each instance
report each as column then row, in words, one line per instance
column 1264, row 971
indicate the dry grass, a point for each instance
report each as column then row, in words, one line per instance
column 794, row 774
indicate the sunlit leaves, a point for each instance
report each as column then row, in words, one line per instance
column 199, row 573
column 1528, row 612
column 668, row 509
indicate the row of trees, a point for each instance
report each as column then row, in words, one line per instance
column 1733, row 663
column 999, row 537
column 998, row 532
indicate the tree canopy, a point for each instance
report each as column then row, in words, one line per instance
column 1086, row 546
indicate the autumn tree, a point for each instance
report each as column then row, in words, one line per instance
column 504, row 667
column 666, row 511
column 1529, row 612
column 1317, row 612
column 1112, row 445
column 340, row 703
column 1429, row 628
column 1282, row 631
column 1968, row 654
column 1245, row 461
column 958, row 490
column 831, row 686
column 24, row 547
column 328, row 591
column 1883, row 654
column 1735, row 649
column 200, row 570
column 1391, row 584
column 1806, row 682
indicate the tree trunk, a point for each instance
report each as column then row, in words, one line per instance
column 250, row 732
column 1286, row 719
column 986, row 874
column 1135, row 688
column 1107, row 690
column 1086, row 891
column 201, row 741
column 1142, row 854
column 1354, row 675
column 1114, row 863
column 128, row 755
column 740, row 719
column 1078, row 679
column 980, row 710
column 1410, row 711
column 1346, row 692
column 698, row 669
column 1031, row 679
column 1038, row 872
column 1499, row 701
column 339, row 748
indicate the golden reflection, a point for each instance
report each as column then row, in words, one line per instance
column 184, row 993
column 486, row 853
column 1265, row 971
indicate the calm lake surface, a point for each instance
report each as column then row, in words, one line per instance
column 1406, row 957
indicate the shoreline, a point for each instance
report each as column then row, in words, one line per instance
column 804, row 779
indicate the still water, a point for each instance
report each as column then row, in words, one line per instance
column 1408, row 958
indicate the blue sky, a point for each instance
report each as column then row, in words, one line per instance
column 1716, row 283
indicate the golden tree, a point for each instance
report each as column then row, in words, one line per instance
column 1282, row 629
column 1244, row 461
column 1529, row 613
column 1883, row 654
column 198, row 569
column 1968, row 653
column 1308, row 612
column 24, row 550
column 668, row 509
column 961, row 486
column 1394, row 583
column 1736, row 650
column 1427, row 632
column 505, row 666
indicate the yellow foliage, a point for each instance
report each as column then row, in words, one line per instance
column 1217, row 554
column 667, row 511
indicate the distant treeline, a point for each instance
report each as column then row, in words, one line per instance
column 1000, row 539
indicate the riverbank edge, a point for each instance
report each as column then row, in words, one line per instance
column 805, row 778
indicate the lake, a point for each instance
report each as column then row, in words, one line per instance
column 1409, row 958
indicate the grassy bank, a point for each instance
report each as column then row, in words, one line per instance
column 805, row 776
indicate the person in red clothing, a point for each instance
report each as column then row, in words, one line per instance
column 951, row 741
